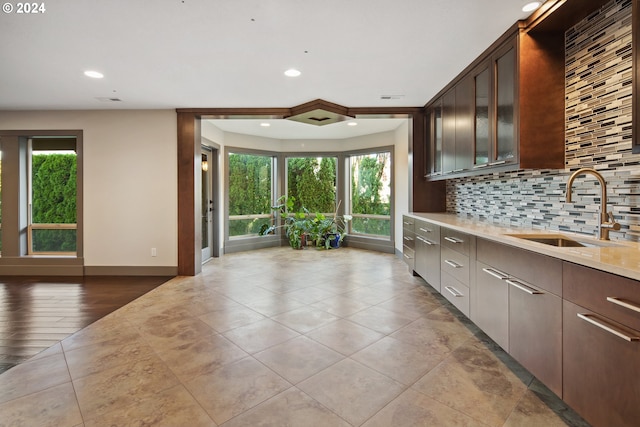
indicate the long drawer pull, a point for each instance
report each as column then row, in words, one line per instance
column 496, row 273
column 523, row 287
column 407, row 238
column 407, row 223
column 407, row 256
column 453, row 239
column 624, row 303
column 454, row 291
column 452, row 263
column 425, row 241
column 590, row 318
column 426, row 230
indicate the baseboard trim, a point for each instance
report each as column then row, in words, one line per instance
column 110, row 270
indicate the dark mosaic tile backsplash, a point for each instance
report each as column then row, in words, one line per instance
column 598, row 69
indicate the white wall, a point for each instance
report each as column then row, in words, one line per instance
column 130, row 181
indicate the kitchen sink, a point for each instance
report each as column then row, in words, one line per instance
column 563, row 241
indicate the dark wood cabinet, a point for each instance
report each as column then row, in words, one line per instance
column 601, row 342
column 517, row 307
column 427, row 253
column 511, row 107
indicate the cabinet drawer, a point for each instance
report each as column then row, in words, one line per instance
column 456, row 292
column 455, row 240
column 427, row 230
column 409, row 239
column 455, row 264
column 408, row 255
column 615, row 297
column 541, row 270
column 408, row 223
column 600, row 370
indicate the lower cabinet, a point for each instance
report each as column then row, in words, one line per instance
column 408, row 241
column 427, row 252
column 516, row 309
column 601, row 346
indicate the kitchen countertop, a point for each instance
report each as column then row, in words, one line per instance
column 622, row 259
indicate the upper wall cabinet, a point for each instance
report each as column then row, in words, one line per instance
column 506, row 111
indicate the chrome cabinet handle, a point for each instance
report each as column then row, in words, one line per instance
column 452, row 263
column 406, row 256
column 623, row 303
column 496, row 273
column 590, row 318
column 523, row 287
column 499, row 162
column 453, row 239
column 426, row 230
column 408, row 238
column 454, row 291
column 425, row 241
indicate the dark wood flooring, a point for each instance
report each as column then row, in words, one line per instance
column 38, row 312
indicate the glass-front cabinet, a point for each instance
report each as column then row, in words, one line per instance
column 434, row 140
column 495, row 141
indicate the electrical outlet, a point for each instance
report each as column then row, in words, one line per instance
column 154, row 252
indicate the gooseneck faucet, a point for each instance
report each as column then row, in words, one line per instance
column 606, row 218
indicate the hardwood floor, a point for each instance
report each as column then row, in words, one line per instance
column 38, row 312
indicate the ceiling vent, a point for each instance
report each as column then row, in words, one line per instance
column 319, row 113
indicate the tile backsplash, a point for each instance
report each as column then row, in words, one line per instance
column 598, row 84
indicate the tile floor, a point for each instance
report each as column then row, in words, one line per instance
column 278, row 337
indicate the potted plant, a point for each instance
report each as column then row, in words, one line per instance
column 329, row 232
column 297, row 225
column 301, row 226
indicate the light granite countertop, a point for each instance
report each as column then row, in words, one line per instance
column 615, row 256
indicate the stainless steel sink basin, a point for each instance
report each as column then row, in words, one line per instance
column 562, row 241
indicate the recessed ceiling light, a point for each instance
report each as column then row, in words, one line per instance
column 93, row 74
column 352, row 124
column 292, row 72
column 265, row 125
column 530, row 7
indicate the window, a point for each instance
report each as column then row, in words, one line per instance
column 250, row 193
column 52, row 187
column 370, row 205
column 312, row 181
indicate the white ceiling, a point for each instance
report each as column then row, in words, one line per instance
column 165, row 54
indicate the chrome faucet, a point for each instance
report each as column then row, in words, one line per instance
column 606, row 218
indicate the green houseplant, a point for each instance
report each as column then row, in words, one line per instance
column 301, row 226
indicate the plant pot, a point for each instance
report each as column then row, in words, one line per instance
column 334, row 240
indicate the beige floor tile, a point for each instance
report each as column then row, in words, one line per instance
column 33, row 376
column 122, row 387
column 291, row 408
column 410, row 305
column 201, row 356
column 474, row 381
column 341, row 306
column 438, row 332
column 274, row 305
column 371, row 295
column 298, row 359
column 247, row 294
column 344, row 336
column 168, row 408
column 54, row 407
column 305, row 319
column 161, row 335
column 54, row 349
column 404, row 362
column 113, row 328
column 99, row 357
column 540, row 407
column 414, row 409
column 309, row 295
column 260, row 335
column 230, row 318
column 380, row 320
column 351, row 390
column 235, row 388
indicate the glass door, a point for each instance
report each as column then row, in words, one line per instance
column 207, row 204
